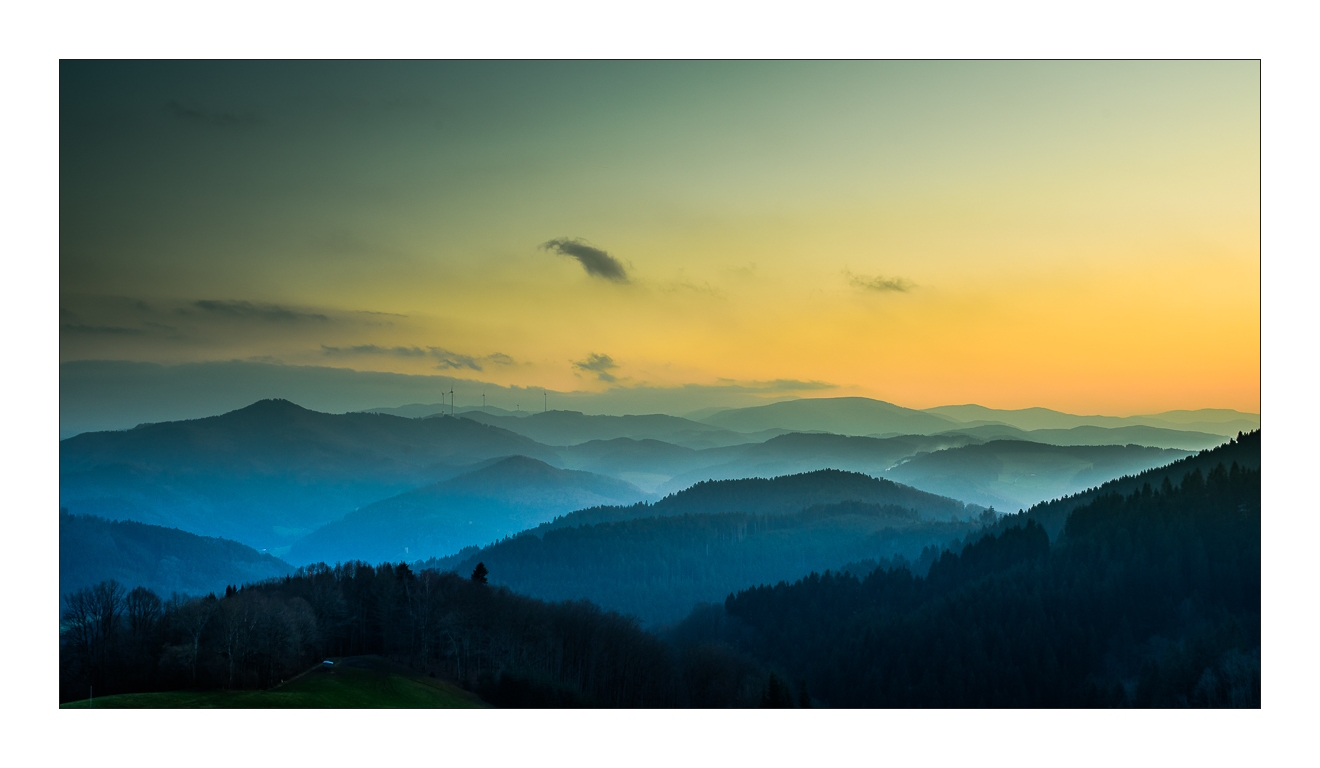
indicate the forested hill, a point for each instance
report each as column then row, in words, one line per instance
column 659, row 568
column 1052, row 515
column 164, row 560
column 1150, row 599
column 775, row 496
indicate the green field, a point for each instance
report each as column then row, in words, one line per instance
column 358, row 682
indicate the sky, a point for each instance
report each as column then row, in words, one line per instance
column 1082, row 236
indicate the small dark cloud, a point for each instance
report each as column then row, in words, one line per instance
column 598, row 263
column 601, row 365
column 879, row 283
column 200, row 115
column 499, row 358
column 246, row 309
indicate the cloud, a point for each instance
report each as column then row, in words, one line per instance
column 598, row 263
column 446, row 359
column 449, row 360
column 879, row 283
column 269, row 312
column 373, row 349
column 601, row 365
column 200, row 115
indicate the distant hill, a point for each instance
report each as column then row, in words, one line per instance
column 271, row 472
column 563, row 428
column 499, row 500
column 773, row 496
column 839, row 415
column 164, row 560
column 799, row 452
column 659, row 568
column 1154, row 437
column 1215, row 421
column 1052, row 515
column 1014, row 474
column 421, row 410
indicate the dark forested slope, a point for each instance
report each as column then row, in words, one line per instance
column 165, row 560
column 1148, row 599
column 659, row 568
column 1244, row 450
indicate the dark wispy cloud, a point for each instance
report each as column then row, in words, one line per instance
column 598, row 263
column 600, row 365
column 200, row 115
column 374, row 349
column 445, row 359
column 450, row 360
column 247, row 309
column 879, row 283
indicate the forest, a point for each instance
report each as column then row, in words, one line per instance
column 1147, row 598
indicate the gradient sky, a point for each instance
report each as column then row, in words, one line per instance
column 1080, row 236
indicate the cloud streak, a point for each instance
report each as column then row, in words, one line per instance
column 596, row 262
column 445, row 359
column 879, row 283
column 246, row 309
column 600, row 365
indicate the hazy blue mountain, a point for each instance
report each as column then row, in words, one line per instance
column 504, row 498
column 659, row 568
column 800, row 452
column 269, row 473
column 564, row 428
column 1052, row 514
column 774, row 496
column 1015, row 474
column 1154, row 437
column 164, row 560
column 647, row 464
column 1209, row 420
column 839, row 415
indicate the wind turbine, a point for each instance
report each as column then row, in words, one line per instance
column 451, row 402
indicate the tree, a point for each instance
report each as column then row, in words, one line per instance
column 479, row 573
column 776, row 694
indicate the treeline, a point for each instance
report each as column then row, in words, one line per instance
column 1148, row 599
column 511, row 649
column 660, row 568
